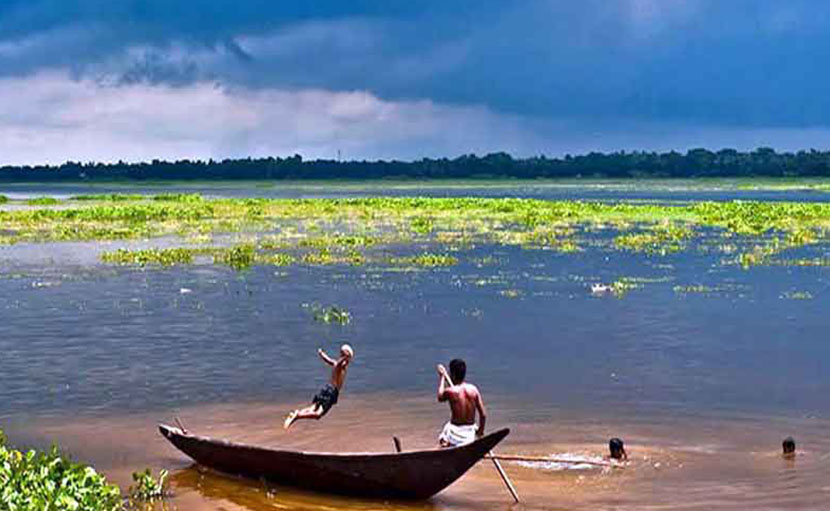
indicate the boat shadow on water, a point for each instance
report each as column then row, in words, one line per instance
column 212, row 486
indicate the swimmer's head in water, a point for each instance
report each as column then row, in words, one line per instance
column 789, row 445
column 615, row 445
column 458, row 370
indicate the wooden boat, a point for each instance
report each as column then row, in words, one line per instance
column 401, row 475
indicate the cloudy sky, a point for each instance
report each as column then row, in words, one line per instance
column 142, row 79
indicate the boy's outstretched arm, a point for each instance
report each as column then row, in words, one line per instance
column 327, row 359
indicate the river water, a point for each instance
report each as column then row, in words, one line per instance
column 702, row 386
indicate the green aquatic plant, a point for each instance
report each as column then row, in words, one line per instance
column 797, row 295
column 146, row 488
column 339, row 240
column 160, row 256
column 279, row 259
column 179, row 197
column 336, row 229
column 622, row 286
column 421, row 225
column 331, row 314
column 48, row 481
column 3, row 199
column 239, row 257
column 661, row 239
column 426, row 259
column 43, row 201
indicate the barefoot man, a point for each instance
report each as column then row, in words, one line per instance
column 465, row 400
column 327, row 397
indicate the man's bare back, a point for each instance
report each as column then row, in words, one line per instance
column 465, row 402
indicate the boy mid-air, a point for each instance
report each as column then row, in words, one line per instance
column 327, row 397
column 465, row 400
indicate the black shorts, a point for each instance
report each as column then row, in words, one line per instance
column 327, row 397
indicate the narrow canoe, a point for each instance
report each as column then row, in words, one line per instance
column 405, row 475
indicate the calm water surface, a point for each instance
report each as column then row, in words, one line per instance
column 702, row 386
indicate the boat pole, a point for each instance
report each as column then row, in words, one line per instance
column 504, row 477
column 546, row 459
column 492, row 456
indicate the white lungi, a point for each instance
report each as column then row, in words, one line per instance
column 456, row 435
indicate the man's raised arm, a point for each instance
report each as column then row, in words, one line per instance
column 443, row 377
column 327, row 359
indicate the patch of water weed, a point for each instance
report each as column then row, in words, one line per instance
column 3, row 199
column 278, row 259
column 797, row 295
column 362, row 222
column 160, row 256
column 43, row 201
column 659, row 240
column 426, row 260
column 339, row 240
column 239, row 257
column 331, row 314
column 421, row 225
column 187, row 198
column 623, row 286
column 146, row 488
column 324, row 257
column 511, row 293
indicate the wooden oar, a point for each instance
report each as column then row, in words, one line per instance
column 545, row 459
column 490, row 455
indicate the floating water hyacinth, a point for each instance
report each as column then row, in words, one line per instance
column 331, row 314
column 147, row 488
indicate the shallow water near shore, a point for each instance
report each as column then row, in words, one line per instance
column 677, row 462
column 702, row 369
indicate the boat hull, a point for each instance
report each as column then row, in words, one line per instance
column 406, row 475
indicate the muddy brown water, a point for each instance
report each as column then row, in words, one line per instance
column 675, row 462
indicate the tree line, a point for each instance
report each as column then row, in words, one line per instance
column 764, row 162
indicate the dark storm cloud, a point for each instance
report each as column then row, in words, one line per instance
column 727, row 63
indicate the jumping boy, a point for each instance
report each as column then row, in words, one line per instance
column 327, row 397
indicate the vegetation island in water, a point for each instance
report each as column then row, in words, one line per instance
column 409, row 232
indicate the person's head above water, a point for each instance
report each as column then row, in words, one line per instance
column 615, row 445
column 346, row 351
column 458, row 371
column 789, row 446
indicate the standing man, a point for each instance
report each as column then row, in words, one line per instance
column 465, row 400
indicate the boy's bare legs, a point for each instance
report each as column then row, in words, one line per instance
column 309, row 412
